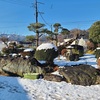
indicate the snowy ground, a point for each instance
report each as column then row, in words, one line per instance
column 86, row 59
column 12, row 88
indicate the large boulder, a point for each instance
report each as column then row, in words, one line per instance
column 18, row 66
column 80, row 75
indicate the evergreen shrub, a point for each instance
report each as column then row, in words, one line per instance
column 46, row 54
column 97, row 53
column 80, row 49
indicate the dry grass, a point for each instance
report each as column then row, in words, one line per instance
column 90, row 52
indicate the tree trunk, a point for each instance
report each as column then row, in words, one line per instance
column 37, row 39
column 56, row 40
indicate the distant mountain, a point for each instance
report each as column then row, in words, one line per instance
column 13, row 37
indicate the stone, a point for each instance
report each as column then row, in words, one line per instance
column 80, row 75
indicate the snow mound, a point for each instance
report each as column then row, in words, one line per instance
column 46, row 46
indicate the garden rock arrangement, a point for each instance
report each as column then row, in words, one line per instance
column 80, row 74
column 85, row 75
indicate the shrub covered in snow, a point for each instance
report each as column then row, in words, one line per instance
column 29, row 52
column 47, row 52
column 12, row 48
column 9, row 50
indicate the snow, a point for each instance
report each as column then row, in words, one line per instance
column 86, row 59
column 46, row 46
column 13, row 54
column 98, row 48
column 66, row 40
column 16, row 88
column 28, row 50
column 69, row 47
column 61, row 43
column 82, row 42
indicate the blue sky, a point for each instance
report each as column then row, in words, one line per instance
column 16, row 15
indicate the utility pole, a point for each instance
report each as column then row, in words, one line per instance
column 36, row 11
column 36, row 15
